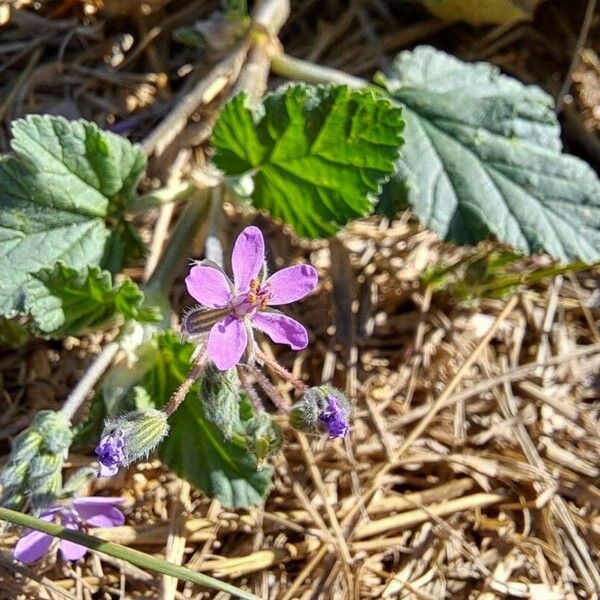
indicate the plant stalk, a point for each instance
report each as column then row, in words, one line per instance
column 294, row 68
column 134, row 557
column 86, row 384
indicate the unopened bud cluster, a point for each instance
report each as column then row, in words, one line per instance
column 34, row 468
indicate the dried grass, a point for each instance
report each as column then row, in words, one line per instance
column 472, row 467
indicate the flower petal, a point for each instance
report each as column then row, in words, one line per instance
column 71, row 550
column 248, row 257
column 32, row 546
column 209, row 286
column 281, row 329
column 99, row 511
column 227, row 341
column 291, row 284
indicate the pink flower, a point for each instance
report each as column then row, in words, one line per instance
column 235, row 307
column 97, row 512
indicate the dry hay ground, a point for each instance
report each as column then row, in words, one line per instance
column 472, row 467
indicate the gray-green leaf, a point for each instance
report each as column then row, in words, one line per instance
column 318, row 155
column 62, row 199
column 484, row 157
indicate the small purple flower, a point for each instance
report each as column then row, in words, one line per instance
column 334, row 418
column 110, row 453
column 78, row 513
column 235, row 307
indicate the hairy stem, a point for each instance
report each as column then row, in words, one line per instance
column 181, row 392
column 281, row 371
column 272, row 392
column 134, row 557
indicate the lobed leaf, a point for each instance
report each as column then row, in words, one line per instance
column 317, row 155
column 65, row 301
column 62, row 199
column 484, row 157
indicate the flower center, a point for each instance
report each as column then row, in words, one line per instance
column 255, row 299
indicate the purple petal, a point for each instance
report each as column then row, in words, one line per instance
column 334, row 418
column 291, row 284
column 32, row 546
column 248, row 257
column 110, row 453
column 71, row 550
column 209, row 286
column 281, row 329
column 227, row 341
column 99, row 511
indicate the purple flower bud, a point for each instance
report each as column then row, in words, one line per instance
column 110, row 453
column 334, row 418
column 130, row 437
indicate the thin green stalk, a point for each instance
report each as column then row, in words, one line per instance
column 294, row 68
column 134, row 557
column 176, row 192
column 158, row 286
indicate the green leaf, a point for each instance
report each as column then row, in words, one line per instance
column 318, row 155
column 66, row 301
column 62, row 198
column 195, row 449
column 484, row 157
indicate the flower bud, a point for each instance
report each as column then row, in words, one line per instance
column 130, row 437
column 34, row 468
column 322, row 408
column 220, row 398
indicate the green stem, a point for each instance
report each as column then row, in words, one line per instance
column 134, row 557
column 294, row 68
column 176, row 192
column 196, row 211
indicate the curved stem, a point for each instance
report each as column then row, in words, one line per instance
column 300, row 386
column 133, row 557
column 89, row 380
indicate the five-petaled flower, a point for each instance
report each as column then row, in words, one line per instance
column 231, row 309
column 76, row 514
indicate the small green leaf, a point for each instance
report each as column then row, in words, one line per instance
column 484, row 157
column 62, row 198
column 195, row 449
column 318, row 155
column 66, row 301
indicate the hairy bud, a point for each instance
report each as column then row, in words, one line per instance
column 34, row 468
column 220, row 398
column 322, row 408
column 130, row 437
